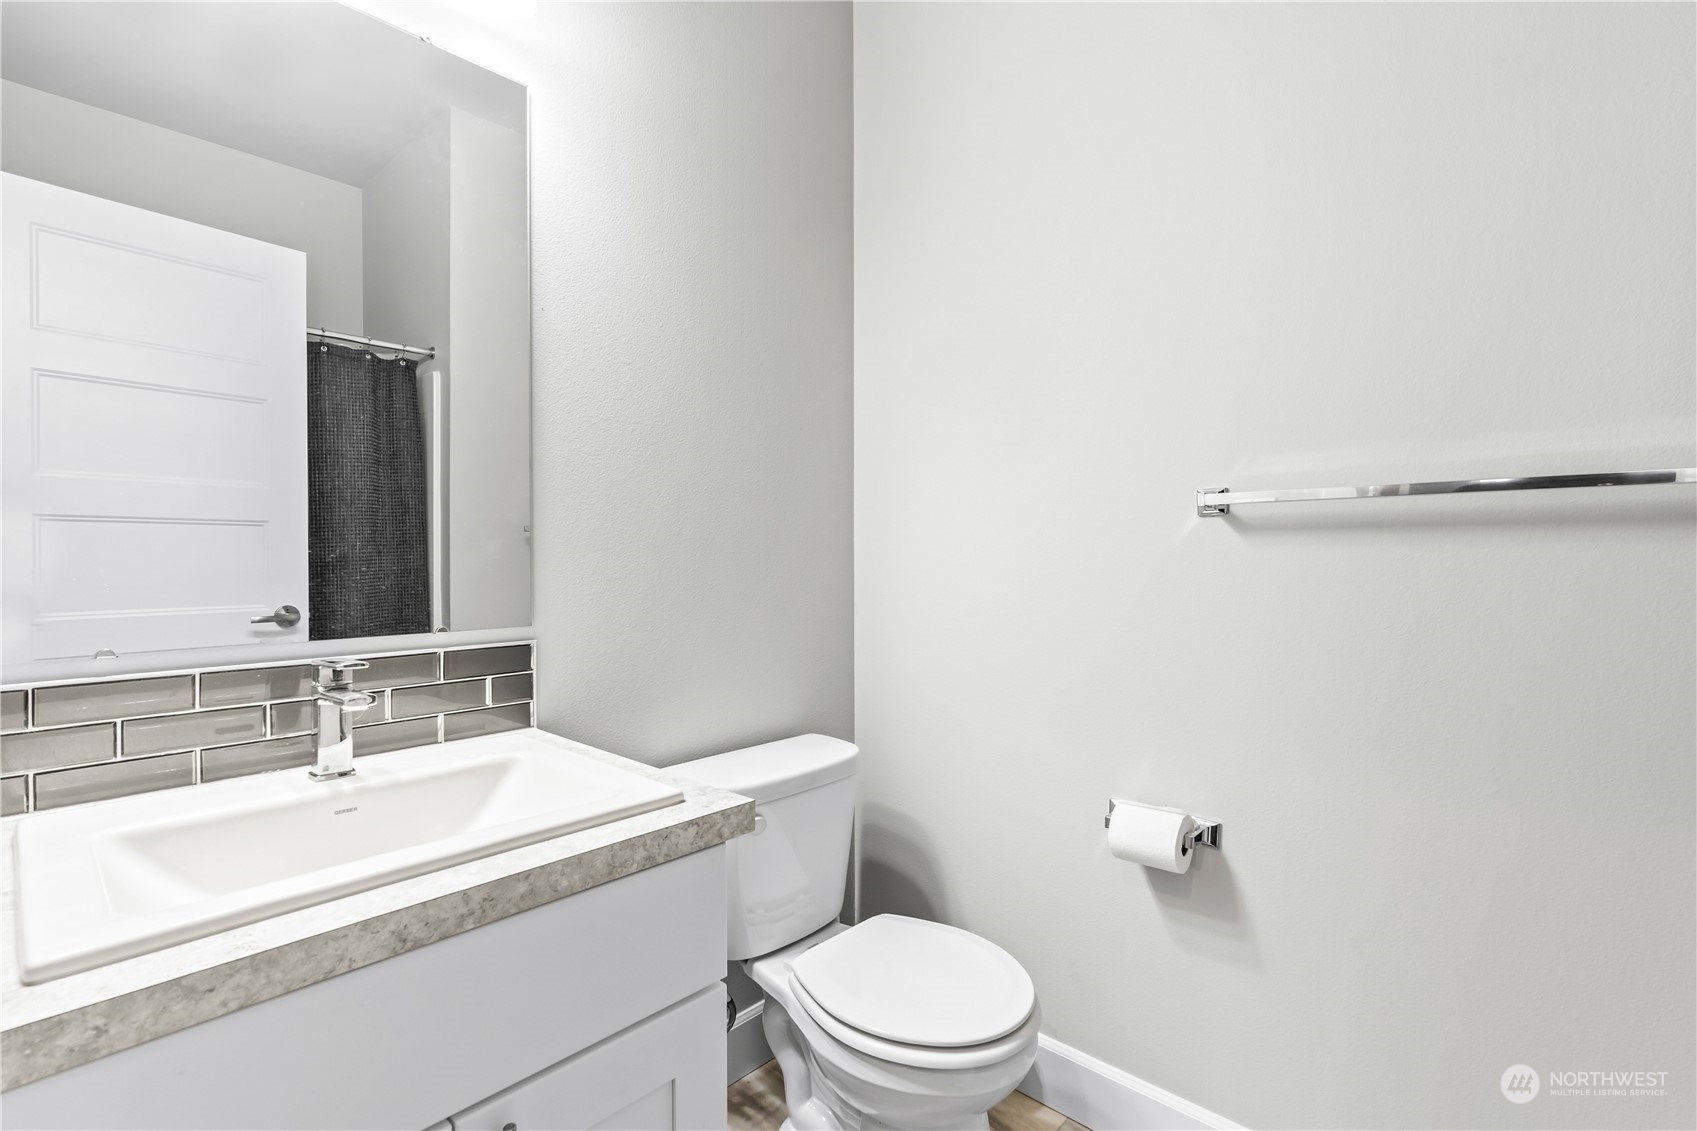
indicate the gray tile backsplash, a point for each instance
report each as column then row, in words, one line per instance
column 435, row 698
column 113, row 779
column 155, row 732
column 470, row 724
column 257, row 757
column 297, row 717
column 486, row 661
column 49, row 749
column 200, row 728
column 14, row 710
column 511, row 688
column 393, row 736
column 255, row 685
column 119, row 699
column 394, row 671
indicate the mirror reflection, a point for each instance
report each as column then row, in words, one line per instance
column 267, row 314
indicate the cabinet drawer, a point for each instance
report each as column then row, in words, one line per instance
column 662, row 1073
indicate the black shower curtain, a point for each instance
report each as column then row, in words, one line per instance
column 368, row 525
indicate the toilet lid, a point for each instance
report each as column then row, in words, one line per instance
column 917, row 982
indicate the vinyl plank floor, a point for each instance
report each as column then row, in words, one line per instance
column 756, row 1103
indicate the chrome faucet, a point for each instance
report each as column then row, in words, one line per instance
column 338, row 703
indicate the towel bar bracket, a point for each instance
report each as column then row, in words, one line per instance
column 1205, row 508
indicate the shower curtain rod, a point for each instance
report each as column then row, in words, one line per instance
column 321, row 332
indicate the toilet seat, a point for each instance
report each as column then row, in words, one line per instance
column 912, row 1055
column 916, row 993
column 915, row 982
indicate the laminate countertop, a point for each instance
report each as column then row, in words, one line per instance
column 60, row 1024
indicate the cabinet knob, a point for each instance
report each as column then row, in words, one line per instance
column 509, row 1127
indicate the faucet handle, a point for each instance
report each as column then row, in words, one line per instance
column 337, row 671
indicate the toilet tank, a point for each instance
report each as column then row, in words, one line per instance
column 787, row 877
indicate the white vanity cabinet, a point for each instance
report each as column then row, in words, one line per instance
column 658, row 1074
column 600, row 1009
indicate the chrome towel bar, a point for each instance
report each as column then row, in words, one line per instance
column 1220, row 500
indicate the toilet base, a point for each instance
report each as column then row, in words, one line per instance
column 882, row 1099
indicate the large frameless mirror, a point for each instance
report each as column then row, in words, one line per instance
column 267, row 332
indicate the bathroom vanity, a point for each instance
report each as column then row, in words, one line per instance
column 572, row 982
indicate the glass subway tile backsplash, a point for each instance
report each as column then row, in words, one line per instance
column 255, row 685
column 438, row 698
column 393, row 736
column 119, row 699
column 486, row 661
column 14, row 710
column 64, row 744
column 257, row 757
column 299, row 716
column 112, row 779
column 511, row 688
column 193, row 729
column 470, row 724
column 51, row 749
column 396, row 671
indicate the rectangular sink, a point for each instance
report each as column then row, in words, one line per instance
column 103, row 882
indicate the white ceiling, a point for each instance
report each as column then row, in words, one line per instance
column 318, row 86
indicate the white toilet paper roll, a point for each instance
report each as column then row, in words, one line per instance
column 1150, row 836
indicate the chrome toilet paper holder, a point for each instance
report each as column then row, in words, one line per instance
column 1206, row 834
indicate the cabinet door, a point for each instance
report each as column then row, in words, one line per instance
column 665, row 1072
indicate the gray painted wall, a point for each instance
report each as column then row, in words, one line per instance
column 406, row 222
column 1106, row 254
column 690, row 242
column 489, row 426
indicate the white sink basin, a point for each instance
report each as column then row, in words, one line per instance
column 98, row 883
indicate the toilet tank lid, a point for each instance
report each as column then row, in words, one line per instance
column 775, row 769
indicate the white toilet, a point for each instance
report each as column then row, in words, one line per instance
column 895, row 1022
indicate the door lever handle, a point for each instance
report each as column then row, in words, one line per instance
column 286, row 616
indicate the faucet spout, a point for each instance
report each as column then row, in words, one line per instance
column 338, row 704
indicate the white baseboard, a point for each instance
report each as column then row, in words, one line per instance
column 1105, row 1098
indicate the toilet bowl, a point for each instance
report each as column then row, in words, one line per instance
column 837, row 1074
column 894, row 1022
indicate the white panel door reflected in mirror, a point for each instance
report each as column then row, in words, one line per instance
column 154, row 400
column 399, row 173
